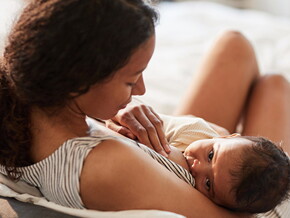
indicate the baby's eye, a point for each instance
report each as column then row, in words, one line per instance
column 207, row 184
column 210, row 155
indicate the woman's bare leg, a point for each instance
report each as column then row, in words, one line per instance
column 268, row 111
column 219, row 90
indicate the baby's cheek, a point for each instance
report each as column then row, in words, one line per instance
column 193, row 148
column 202, row 191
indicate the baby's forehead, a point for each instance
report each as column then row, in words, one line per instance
column 234, row 141
column 232, row 148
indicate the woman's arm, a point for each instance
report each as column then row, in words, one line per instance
column 118, row 176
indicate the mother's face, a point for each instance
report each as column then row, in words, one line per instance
column 105, row 99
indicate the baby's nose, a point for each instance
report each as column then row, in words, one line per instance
column 196, row 162
column 197, row 168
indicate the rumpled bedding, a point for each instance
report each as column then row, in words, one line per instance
column 184, row 33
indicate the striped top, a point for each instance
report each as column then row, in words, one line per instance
column 57, row 176
column 170, row 165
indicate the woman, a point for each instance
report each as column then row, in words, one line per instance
column 66, row 60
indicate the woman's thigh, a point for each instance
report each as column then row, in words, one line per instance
column 268, row 111
column 219, row 90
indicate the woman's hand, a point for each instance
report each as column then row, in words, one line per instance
column 139, row 121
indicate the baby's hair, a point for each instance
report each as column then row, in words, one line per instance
column 262, row 178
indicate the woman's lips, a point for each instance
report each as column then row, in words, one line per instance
column 124, row 105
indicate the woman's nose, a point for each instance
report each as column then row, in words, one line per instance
column 139, row 88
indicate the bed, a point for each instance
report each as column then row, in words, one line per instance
column 184, row 33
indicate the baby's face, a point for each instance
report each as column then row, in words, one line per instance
column 210, row 162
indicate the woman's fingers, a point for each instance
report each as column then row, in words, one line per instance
column 158, row 124
column 119, row 129
column 151, row 132
column 146, row 125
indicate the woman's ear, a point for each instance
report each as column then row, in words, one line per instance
column 229, row 136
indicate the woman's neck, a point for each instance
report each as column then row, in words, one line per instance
column 50, row 131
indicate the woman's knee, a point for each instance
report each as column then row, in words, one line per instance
column 275, row 82
column 235, row 47
column 237, row 43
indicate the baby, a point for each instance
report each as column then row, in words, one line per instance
column 241, row 173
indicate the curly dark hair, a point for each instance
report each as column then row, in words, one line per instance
column 262, row 178
column 60, row 47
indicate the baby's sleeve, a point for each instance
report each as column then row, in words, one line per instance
column 180, row 131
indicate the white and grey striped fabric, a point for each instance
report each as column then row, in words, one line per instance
column 170, row 165
column 57, row 176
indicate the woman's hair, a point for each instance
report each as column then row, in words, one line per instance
column 262, row 176
column 56, row 51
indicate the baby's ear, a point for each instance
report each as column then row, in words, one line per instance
column 229, row 136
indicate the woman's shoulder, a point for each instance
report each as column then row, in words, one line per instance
column 71, row 148
column 104, row 171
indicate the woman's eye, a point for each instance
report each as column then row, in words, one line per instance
column 210, row 155
column 207, row 184
column 131, row 84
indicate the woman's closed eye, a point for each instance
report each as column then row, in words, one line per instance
column 131, row 84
